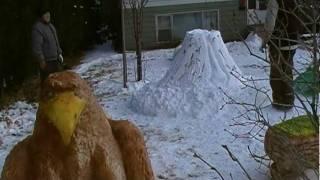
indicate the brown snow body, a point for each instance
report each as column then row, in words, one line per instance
column 100, row 148
column 291, row 155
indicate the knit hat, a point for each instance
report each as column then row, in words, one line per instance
column 42, row 11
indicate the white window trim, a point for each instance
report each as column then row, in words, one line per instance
column 184, row 12
column 157, row 29
column 257, row 5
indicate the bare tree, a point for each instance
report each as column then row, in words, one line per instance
column 291, row 24
column 294, row 18
column 137, row 7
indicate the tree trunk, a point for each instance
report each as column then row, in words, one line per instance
column 281, row 77
column 139, row 59
column 282, row 48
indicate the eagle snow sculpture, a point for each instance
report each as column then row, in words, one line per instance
column 73, row 139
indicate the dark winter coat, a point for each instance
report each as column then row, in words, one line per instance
column 45, row 42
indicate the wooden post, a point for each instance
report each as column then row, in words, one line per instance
column 124, row 56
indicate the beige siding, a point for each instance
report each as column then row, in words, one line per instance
column 231, row 21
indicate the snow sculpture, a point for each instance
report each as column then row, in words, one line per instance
column 202, row 70
column 73, row 139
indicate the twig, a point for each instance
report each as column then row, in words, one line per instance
column 231, row 176
column 234, row 158
column 208, row 164
column 259, row 159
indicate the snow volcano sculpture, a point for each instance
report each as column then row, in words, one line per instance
column 73, row 139
column 201, row 73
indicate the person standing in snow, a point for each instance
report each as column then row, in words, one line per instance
column 46, row 46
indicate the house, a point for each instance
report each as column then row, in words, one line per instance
column 256, row 11
column 166, row 21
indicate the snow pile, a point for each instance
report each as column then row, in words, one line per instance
column 16, row 122
column 195, row 83
column 254, row 40
column 17, row 119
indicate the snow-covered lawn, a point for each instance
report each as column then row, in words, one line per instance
column 171, row 140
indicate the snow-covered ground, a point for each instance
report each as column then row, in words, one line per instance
column 171, row 140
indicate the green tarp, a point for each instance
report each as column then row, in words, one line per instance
column 305, row 83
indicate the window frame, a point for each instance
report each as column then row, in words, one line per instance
column 157, row 27
column 260, row 7
column 183, row 12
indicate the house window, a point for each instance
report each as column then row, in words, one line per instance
column 257, row 4
column 252, row 4
column 210, row 20
column 183, row 23
column 174, row 26
column 164, row 28
column 262, row 5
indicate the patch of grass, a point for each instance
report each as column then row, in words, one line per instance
column 298, row 126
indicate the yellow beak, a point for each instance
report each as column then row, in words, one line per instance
column 64, row 111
